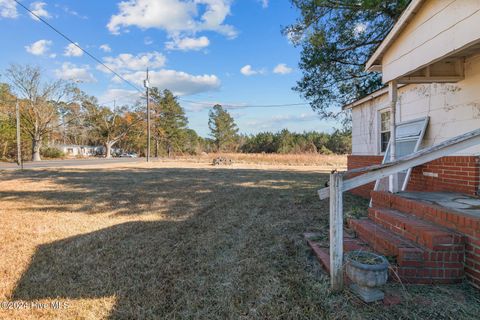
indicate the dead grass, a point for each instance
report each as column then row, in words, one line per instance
column 181, row 241
column 310, row 159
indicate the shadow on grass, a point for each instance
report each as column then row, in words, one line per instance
column 228, row 243
column 138, row 191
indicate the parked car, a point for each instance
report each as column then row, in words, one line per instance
column 128, row 155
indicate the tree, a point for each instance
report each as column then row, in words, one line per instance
column 7, row 120
column 170, row 122
column 337, row 38
column 341, row 142
column 41, row 101
column 223, row 128
column 109, row 126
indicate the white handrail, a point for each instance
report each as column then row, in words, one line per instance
column 338, row 185
column 380, row 171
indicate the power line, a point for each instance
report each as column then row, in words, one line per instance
column 247, row 106
column 133, row 85
column 78, row 46
column 121, row 97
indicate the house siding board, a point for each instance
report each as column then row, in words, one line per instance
column 439, row 28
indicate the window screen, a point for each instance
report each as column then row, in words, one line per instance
column 409, row 136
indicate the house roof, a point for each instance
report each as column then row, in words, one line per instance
column 368, row 97
column 375, row 61
column 371, row 96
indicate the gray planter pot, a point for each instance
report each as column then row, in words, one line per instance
column 368, row 271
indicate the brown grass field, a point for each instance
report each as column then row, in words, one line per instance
column 185, row 240
column 305, row 159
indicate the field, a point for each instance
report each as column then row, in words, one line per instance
column 182, row 240
column 305, row 159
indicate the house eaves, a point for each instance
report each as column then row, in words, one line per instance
column 375, row 61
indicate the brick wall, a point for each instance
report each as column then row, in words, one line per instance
column 455, row 174
column 355, row 161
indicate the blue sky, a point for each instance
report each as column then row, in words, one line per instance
column 208, row 51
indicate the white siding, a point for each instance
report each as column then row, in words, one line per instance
column 453, row 109
column 441, row 27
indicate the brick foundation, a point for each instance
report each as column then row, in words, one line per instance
column 355, row 161
column 453, row 174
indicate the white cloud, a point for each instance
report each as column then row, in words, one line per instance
column 38, row 8
column 360, row 28
column 8, row 9
column 128, row 62
column 119, row 97
column 202, row 105
column 71, row 72
column 180, row 83
column 282, row 68
column 105, row 48
column 278, row 122
column 39, row 48
column 73, row 51
column 264, row 3
column 186, row 44
column 249, row 71
column 70, row 11
column 174, row 16
column 293, row 118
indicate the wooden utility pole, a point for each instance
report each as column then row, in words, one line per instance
column 19, row 143
column 147, row 87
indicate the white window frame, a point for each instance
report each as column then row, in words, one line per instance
column 379, row 133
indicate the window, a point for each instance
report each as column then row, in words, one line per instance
column 384, row 130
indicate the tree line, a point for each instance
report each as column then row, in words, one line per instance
column 54, row 113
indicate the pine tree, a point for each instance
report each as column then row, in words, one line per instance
column 170, row 122
column 223, row 128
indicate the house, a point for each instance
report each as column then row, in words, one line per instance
column 80, row 151
column 428, row 217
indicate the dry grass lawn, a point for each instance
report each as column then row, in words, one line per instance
column 305, row 159
column 181, row 241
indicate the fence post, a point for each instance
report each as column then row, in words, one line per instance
column 336, row 231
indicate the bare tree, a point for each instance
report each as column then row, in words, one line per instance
column 41, row 100
column 110, row 126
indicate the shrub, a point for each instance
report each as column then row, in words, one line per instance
column 51, row 152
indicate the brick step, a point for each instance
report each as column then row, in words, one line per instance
column 414, row 263
column 427, row 211
column 385, row 242
column 323, row 253
column 422, row 232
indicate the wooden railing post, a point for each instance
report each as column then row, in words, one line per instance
column 336, row 231
column 393, row 95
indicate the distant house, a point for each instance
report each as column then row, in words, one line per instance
column 80, row 151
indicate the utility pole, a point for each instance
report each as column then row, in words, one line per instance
column 146, row 83
column 19, row 143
